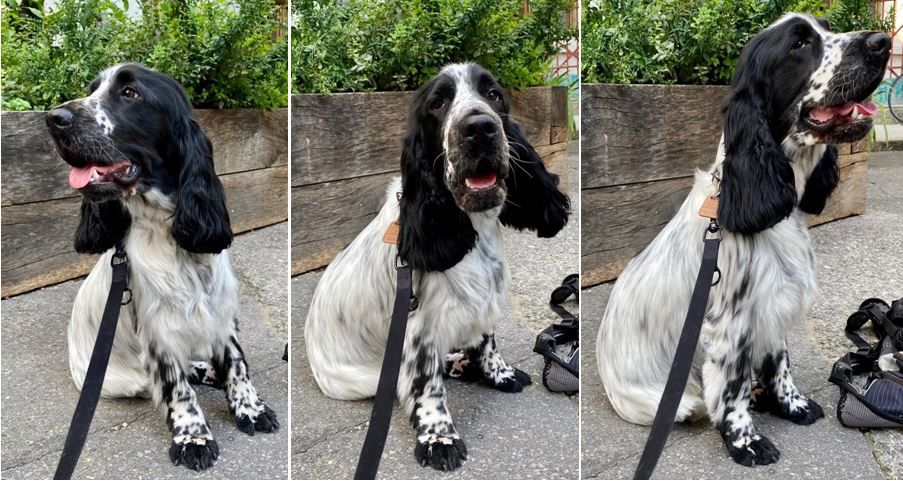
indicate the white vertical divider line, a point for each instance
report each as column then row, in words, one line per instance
column 288, row 245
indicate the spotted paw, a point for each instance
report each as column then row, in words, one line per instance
column 442, row 453
column 798, row 409
column 804, row 414
column 753, row 450
column 263, row 422
column 194, row 453
column 514, row 382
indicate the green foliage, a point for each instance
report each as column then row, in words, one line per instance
column 51, row 58
column 691, row 41
column 366, row 45
column 224, row 52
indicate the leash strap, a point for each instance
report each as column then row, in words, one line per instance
column 569, row 287
column 97, row 368
column 683, row 359
column 375, row 442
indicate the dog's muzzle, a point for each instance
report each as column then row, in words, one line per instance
column 480, row 160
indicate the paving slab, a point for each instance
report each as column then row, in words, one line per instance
column 529, row 435
column 129, row 438
column 857, row 258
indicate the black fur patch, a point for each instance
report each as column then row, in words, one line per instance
column 201, row 221
column 821, row 183
column 101, row 225
column 534, row 201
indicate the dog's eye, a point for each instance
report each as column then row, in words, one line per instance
column 800, row 44
column 437, row 104
column 130, row 93
column 494, row 95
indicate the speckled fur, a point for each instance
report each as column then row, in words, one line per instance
column 183, row 308
column 352, row 307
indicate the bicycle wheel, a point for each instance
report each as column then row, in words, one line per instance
column 895, row 99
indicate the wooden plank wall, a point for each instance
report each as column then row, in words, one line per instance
column 40, row 211
column 641, row 145
column 347, row 147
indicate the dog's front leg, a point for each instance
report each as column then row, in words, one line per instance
column 726, row 376
column 483, row 361
column 193, row 445
column 421, row 390
column 250, row 411
column 776, row 392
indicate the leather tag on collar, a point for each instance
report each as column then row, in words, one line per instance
column 391, row 234
column 709, row 208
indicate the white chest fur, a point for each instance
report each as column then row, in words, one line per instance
column 181, row 298
column 472, row 295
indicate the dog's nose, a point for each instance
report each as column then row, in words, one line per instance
column 59, row 118
column 480, row 127
column 878, row 42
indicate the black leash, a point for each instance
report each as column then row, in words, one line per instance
column 683, row 358
column 97, row 367
column 375, row 442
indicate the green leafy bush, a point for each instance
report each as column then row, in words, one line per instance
column 366, row 45
column 691, row 41
column 224, row 52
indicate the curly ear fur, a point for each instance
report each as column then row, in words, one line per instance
column 757, row 185
column 201, row 220
column 101, row 225
column 435, row 233
column 821, row 183
column 534, row 201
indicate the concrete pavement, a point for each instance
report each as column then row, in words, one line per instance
column 857, row 258
column 129, row 438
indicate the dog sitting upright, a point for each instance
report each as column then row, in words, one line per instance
column 797, row 89
column 145, row 170
column 466, row 170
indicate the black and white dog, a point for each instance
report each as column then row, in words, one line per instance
column 797, row 89
column 466, row 171
column 145, row 170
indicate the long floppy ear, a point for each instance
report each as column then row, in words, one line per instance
column 435, row 233
column 757, row 183
column 101, row 225
column 533, row 201
column 821, row 183
column 201, row 220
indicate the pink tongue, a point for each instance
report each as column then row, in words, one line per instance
column 79, row 177
column 483, row 182
column 824, row 114
column 868, row 109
